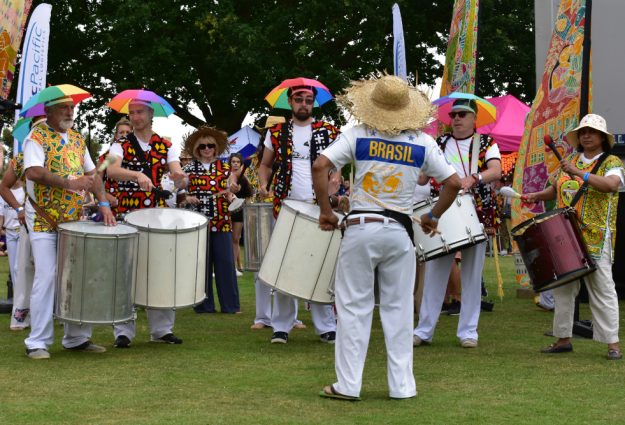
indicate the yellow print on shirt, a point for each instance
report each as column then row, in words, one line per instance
column 382, row 179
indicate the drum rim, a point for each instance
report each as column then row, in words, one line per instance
column 131, row 234
column 455, row 249
column 168, row 231
column 570, row 276
column 514, row 231
column 286, row 202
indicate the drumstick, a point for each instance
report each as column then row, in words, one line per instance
column 105, row 164
column 418, row 221
column 508, row 192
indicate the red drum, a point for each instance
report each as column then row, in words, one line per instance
column 553, row 249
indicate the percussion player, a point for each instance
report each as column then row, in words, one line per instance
column 141, row 159
column 389, row 152
column 305, row 138
column 58, row 171
column 596, row 210
column 240, row 186
column 457, row 148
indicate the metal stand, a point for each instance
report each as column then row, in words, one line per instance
column 581, row 328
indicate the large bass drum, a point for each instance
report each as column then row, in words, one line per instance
column 96, row 269
column 257, row 227
column 553, row 249
column 171, row 266
column 301, row 258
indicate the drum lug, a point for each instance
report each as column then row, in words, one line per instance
column 420, row 252
column 471, row 238
column 458, row 201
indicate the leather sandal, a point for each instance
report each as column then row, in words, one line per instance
column 554, row 349
column 329, row 392
column 614, row 354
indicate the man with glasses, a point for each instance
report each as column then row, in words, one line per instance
column 293, row 147
column 141, row 160
column 460, row 152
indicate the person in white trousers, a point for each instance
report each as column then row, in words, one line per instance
column 466, row 151
column 58, row 171
column 305, row 139
column 389, row 152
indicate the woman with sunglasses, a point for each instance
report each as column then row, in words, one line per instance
column 239, row 186
column 208, row 193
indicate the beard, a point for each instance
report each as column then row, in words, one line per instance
column 302, row 114
column 65, row 125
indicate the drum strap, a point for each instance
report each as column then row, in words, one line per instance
column 582, row 190
column 46, row 217
column 403, row 219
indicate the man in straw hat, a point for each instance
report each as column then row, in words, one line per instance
column 141, row 159
column 59, row 171
column 477, row 161
column 599, row 176
column 389, row 153
column 293, row 147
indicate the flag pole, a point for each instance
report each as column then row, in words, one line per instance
column 585, row 84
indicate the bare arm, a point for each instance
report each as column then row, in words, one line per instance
column 320, row 170
column 451, row 186
column 264, row 172
column 177, row 175
column 547, row 194
column 6, row 184
column 115, row 171
column 601, row 183
column 43, row 176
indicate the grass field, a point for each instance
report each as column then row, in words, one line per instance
column 224, row 373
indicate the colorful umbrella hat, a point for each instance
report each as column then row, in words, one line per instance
column 161, row 107
column 21, row 129
column 36, row 104
column 486, row 111
column 278, row 97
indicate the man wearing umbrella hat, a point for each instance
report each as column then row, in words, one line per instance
column 59, row 170
column 141, row 160
column 477, row 161
column 293, row 146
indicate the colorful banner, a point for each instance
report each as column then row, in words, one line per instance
column 13, row 15
column 460, row 60
column 399, row 48
column 555, row 109
column 34, row 65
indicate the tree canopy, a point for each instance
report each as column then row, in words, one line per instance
column 224, row 56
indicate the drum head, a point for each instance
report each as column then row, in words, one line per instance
column 170, row 219
column 93, row 228
column 236, row 204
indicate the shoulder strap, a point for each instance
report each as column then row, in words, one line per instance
column 475, row 153
column 584, row 187
column 46, row 217
column 284, row 141
column 140, row 154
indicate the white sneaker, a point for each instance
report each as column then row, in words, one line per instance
column 38, row 353
column 469, row 343
column 239, row 274
column 416, row 341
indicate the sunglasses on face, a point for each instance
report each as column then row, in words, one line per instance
column 460, row 114
column 306, row 100
column 203, row 146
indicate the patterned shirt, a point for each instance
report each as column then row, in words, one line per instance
column 204, row 184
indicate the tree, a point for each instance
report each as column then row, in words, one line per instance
column 224, row 56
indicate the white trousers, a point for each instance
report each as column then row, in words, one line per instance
column 436, row 277
column 42, row 298
column 363, row 248
column 22, row 282
column 161, row 322
column 284, row 315
column 602, row 299
column 12, row 238
column 545, row 298
column 263, row 302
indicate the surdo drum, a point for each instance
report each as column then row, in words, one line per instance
column 553, row 249
column 257, row 226
column 171, row 264
column 459, row 228
column 96, row 267
column 300, row 258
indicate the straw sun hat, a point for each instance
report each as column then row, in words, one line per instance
column 221, row 140
column 593, row 121
column 388, row 104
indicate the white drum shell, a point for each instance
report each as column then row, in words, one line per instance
column 257, row 227
column 96, row 272
column 301, row 258
column 459, row 228
column 171, row 267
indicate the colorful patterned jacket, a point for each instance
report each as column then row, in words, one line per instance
column 323, row 134
column 203, row 184
column 65, row 159
column 129, row 194
column 485, row 201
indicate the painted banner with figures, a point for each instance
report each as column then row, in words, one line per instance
column 13, row 16
column 460, row 59
column 555, row 109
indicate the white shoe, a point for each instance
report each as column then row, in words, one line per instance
column 416, row 341
column 469, row 343
column 239, row 274
column 38, row 353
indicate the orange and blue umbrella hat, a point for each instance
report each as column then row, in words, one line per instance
column 278, row 96
column 486, row 111
column 36, row 104
column 160, row 106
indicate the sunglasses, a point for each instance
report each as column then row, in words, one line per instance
column 307, row 100
column 202, row 146
column 461, row 114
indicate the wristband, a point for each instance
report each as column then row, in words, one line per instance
column 104, row 204
column 432, row 217
column 586, row 176
column 19, row 209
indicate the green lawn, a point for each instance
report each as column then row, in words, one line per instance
column 224, row 373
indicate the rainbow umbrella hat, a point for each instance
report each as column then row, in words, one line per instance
column 36, row 104
column 160, row 106
column 278, row 97
column 486, row 111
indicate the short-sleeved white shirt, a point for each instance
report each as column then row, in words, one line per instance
column 301, row 178
column 7, row 211
column 387, row 167
column 173, row 153
column 461, row 162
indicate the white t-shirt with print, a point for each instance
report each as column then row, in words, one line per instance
column 387, row 167
column 463, row 167
column 7, row 211
column 173, row 153
column 301, row 179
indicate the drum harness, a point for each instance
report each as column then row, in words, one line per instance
column 158, row 192
column 582, row 190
